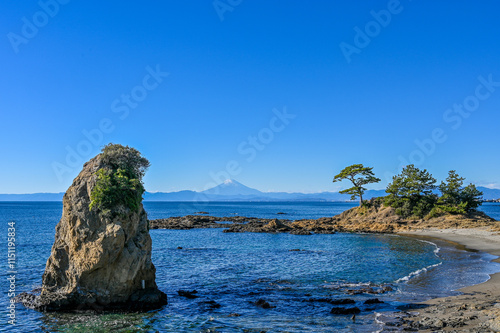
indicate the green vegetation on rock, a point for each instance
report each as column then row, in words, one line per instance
column 119, row 180
column 412, row 193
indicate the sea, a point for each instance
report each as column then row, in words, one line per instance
column 231, row 271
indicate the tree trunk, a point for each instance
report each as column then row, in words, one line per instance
column 360, row 199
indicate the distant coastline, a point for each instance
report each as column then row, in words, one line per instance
column 235, row 191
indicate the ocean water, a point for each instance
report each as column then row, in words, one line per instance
column 235, row 270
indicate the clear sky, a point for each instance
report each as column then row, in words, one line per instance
column 280, row 95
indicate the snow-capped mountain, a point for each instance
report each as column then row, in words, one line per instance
column 232, row 187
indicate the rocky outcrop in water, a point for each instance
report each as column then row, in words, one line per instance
column 374, row 218
column 98, row 261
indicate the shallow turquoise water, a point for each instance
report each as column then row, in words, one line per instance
column 235, row 269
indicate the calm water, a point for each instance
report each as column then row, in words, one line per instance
column 235, row 269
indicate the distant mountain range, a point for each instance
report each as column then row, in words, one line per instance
column 231, row 190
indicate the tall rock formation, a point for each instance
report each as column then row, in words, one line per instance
column 99, row 261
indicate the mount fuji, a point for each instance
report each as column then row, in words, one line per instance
column 232, row 187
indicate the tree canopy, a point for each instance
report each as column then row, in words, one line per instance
column 458, row 199
column 411, row 194
column 412, row 182
column 359, row 175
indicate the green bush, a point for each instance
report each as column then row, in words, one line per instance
column 424, row 205
column 119, row 181
column 435, row 212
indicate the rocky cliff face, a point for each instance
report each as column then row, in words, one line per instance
column 99, row 262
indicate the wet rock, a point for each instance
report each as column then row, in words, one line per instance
column 411, row 306
column 234, row 315
column 28, row 299
column 373, row 301
column 195, row 221
column 372, row 290
column 300, row 232
column 276, row 226
column 263, row 304
column 213, row 304
column 201, row 213
column 345, row 311
column 342, row 301
column 324, row 231
column 385, row 289
column 188, row 294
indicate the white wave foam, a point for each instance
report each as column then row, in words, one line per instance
column 416, row 273
column 437, row 248
column 425, row 269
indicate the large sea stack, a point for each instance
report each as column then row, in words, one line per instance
column 101, row 257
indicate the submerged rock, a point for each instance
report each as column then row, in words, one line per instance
column 345, row 311
column 188, row 294
column 373, row 301
column 340, row 301
column 263, row 304
column 98, row 261
column 213, row 304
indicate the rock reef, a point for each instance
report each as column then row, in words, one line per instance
column 373, row 218
column 98, row 261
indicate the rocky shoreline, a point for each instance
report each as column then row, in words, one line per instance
column 375, row 218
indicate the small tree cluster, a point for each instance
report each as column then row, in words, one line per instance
column 411, row 193
column 119, row 181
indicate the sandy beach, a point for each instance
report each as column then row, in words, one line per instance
column 478, row 308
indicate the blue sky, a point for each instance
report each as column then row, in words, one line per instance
column 280, row 95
